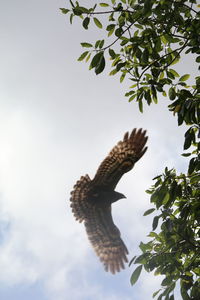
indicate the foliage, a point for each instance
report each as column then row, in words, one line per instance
column 145, row 40
column 175, row 251
column 148, row 38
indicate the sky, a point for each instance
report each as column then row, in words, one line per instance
column 57, row 122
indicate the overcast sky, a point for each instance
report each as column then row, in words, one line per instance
column 57, row 122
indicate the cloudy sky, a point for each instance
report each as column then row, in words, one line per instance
column 57, row 122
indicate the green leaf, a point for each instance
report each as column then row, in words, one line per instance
column 162, row 75
column 141, row 259
column 191, row 166
column 195, row 179
column 148, row 212
column 79, row 10
column 112, row 53
column 64, row 10
column 174, row 73
column 88, row 57
column 104, row 4
column 198, row 59
column 163, row 39
column 140, row 103
column 147, row 96
column 97, row 44
column 83, row 55
column 170, row 75
column 154, row 93
column 110, row 28
column 154, row 197
column 184, row 294
column 101, row 65
column 86, row 22
column 132, row 98
column 122, row 77
column 120, row 65
column 113, row 72
column 166, row 281
column 132, row 260
column 71, row 18
column 111, row 32
column 153, row 234
column 133, row 86
column 97, row 23
column 96, row 59
column 135, row 275
column 184, row 77
column 147, row 7
column 101, row 44
column 188, row 140
column 119, row 32
column 175, row 61
column 145, row 56
column 154, row 294
column 86, row 45
column 172, row 93
column 186, row 154
column 138, row 26
column 155, row 222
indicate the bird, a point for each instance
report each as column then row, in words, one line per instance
column 91, row 200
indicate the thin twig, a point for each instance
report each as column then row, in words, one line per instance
column 107, row 12
column 157, row 60
column 117, row 38
column 196, row 12
column 127, row 29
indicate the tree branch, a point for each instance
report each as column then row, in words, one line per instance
column 108, row 12
column 117, row 38
column 196, row 12
column 157, row 60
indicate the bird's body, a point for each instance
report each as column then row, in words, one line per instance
column 91, row 200
column 104, row 198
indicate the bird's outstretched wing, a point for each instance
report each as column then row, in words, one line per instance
column 121, row 159
column 102, row 232
column 105, row 239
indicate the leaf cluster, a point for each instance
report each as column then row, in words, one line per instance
column 174, row 248
column 145, row 38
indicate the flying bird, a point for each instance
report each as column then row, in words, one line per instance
column 91, row 199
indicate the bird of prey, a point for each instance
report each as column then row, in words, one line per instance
column 91, row 199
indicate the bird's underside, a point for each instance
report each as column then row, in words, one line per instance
column 91, row 200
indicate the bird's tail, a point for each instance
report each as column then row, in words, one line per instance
column 79, row 204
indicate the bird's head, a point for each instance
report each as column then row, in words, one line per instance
column 117, row 196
